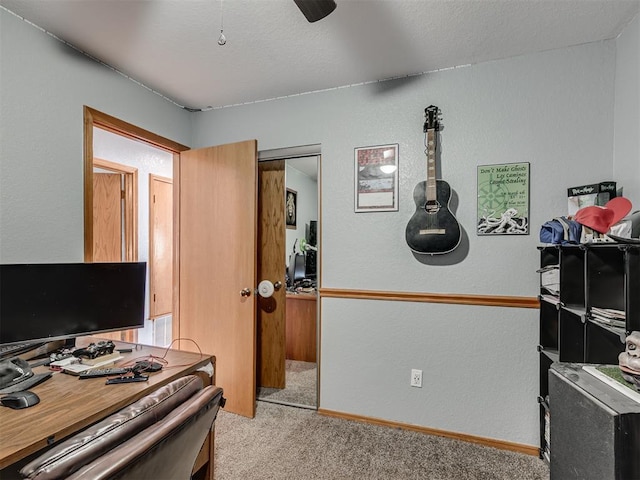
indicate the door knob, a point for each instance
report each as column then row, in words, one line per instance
column 245, row 292
column 265, row 289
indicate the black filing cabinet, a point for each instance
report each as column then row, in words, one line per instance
column 595, row 432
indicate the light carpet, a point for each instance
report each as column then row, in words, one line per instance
column 291, row 443
column 300, row 386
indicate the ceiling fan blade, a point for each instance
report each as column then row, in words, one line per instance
column 315, row 10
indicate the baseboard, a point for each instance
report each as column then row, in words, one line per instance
column 488, row 442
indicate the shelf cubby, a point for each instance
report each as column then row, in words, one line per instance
column 605, row 276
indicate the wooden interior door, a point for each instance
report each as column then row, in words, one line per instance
column 115, row 223
column 160, row 246
column 107, row 217
column 215, row 190
column 271, row 266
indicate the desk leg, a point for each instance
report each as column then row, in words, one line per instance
column 212, row 445
column 203, row 467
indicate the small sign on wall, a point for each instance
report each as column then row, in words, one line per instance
column 376, row 178
column 503, row 199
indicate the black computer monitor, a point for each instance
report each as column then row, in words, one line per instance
column 296, row 269
column 45, row 302
column 310, row 264
column 311, row 232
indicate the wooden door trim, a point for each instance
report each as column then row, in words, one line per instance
column 130, row 175
column 287, row 153
column 113, row 166
column 426, row 297
column 94, row 118
column 175, row 317
column 120, row 127
column 319, row 283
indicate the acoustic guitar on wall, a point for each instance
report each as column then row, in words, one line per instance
column 433, row 229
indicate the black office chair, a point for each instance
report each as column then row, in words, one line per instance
column 157, row 437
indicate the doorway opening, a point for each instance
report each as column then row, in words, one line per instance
column 301, row 260
column 115, row 220
column 146, row 221
column 241, row 386
column 116, row 149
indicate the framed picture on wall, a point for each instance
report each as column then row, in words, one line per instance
column 291, row 208
column 503, row 199
column 376, row 178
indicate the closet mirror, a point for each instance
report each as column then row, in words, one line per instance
column 301, row 233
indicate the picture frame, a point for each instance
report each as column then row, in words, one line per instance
column 503, row 199
column 291, row 208
column 376, row 178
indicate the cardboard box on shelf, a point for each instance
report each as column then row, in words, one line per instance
column 586, row 195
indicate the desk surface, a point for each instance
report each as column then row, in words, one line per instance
column 67, row 404
column 308, row 296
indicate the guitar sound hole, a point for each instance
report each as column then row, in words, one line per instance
column 432, row 206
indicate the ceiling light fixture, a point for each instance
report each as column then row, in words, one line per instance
column 315, row 10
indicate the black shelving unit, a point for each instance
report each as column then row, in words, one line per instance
column 605, row 276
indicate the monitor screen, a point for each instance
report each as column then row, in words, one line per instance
column 312, row 233
column 296, row 268
column 43, row 302
column 310, row 264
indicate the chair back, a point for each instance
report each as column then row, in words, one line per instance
column 166, row 450
column 181, row 409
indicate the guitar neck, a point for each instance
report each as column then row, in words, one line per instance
column 431, row 165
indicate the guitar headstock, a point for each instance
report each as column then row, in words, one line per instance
column 431, row 118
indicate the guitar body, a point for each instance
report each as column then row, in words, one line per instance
column 433, row 229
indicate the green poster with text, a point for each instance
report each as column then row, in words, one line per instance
column 503, row 199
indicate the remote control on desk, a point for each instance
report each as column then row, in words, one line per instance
column 103, row 372
column 136, row 378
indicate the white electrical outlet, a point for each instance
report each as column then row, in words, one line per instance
column 416, row 378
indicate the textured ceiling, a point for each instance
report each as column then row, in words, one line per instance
column 272, row 51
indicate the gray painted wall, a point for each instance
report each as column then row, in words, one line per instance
column 480, row 363
column 554, row 110
column 627, row 112
column 44, row 87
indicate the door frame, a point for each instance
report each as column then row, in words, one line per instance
column 95, row 118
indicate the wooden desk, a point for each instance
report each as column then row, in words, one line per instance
column 301, row 327
column 68, row 405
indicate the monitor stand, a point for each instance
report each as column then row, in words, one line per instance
column 42, row 349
